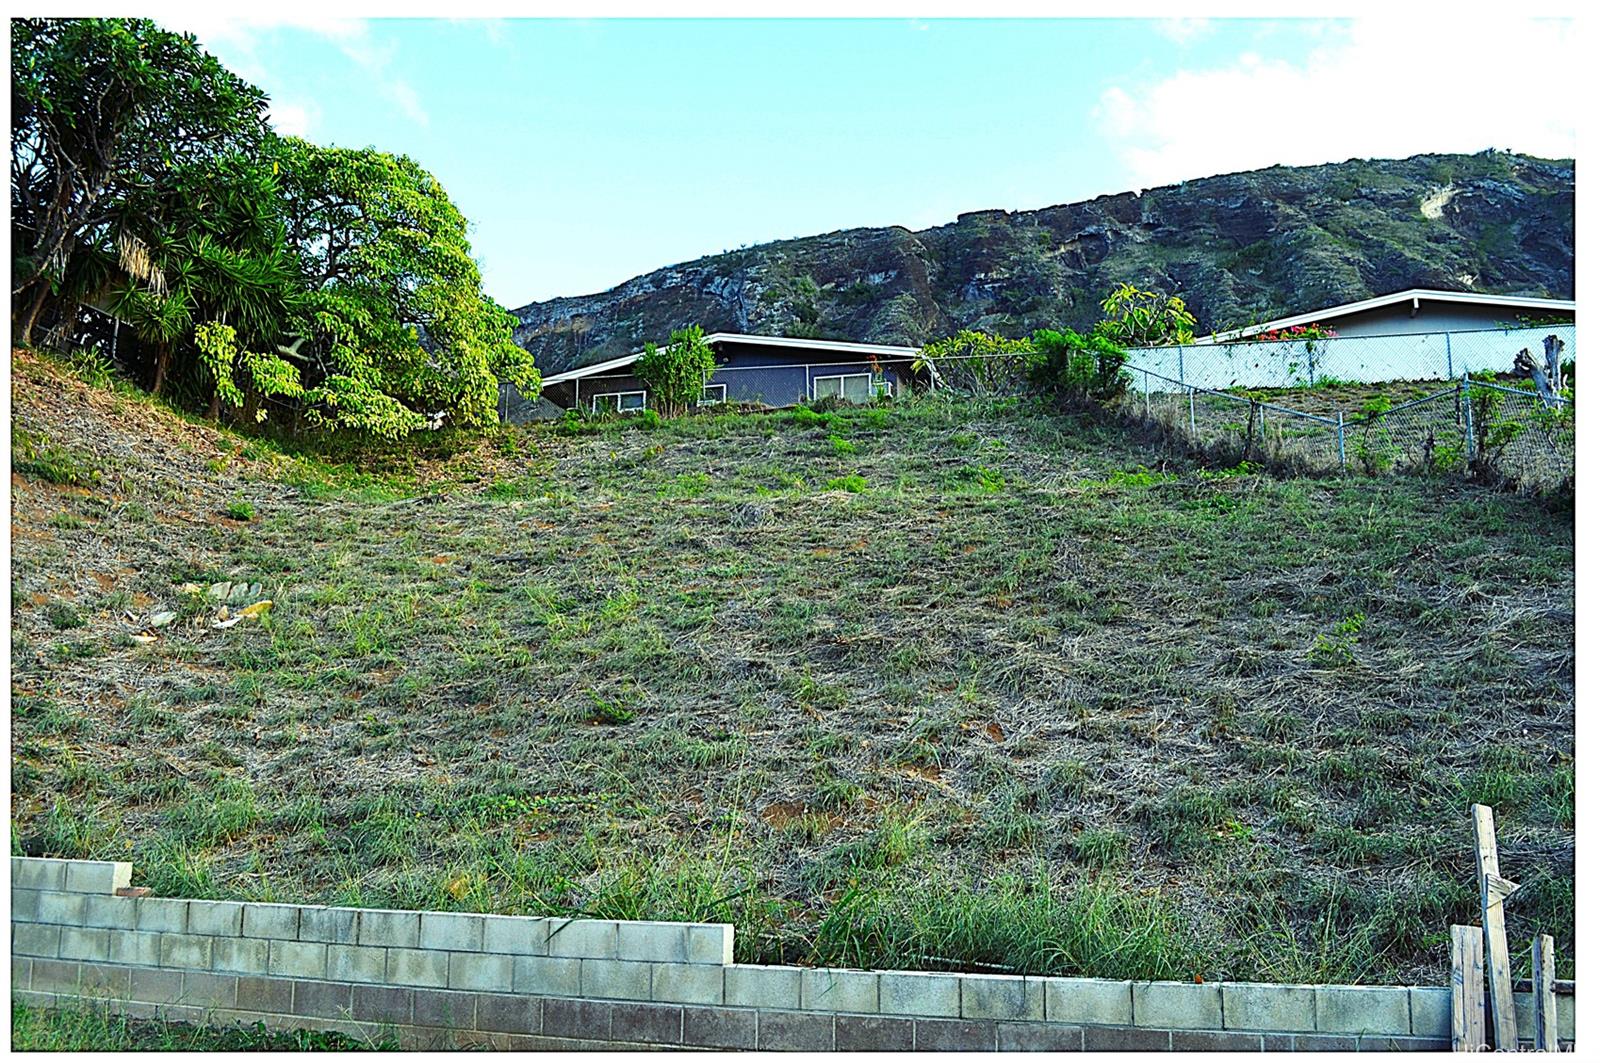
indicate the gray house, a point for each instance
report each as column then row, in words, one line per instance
column 765, row 370
column 1414, row 311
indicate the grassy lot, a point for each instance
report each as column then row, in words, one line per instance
column 929, row 685
column 92, row 1028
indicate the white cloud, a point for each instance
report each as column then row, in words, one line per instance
column 238, row 39
column 1183, row 30
column 1367, row 89
column 294, row 119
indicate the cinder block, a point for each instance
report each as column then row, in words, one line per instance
column 162, row 915
column 25, row 906
column 240, row 955
column 727, row 1028
column 272, row 921
column 919, row 993
column 186, row 950
column 584, row 938
column 271, row 996
column 828, row 989
column 356, row 963
column 516, row 935
column 1002, row 996
column 686, row 983
column 956, row 1035
column 78, row 943
column 381, row 1004
column 614, row 979
column 98, row 876
column 873, row 1033
column 454, row 931
column 551, row 976
column 481, row 971
column 64, row 909
column 335, row 926
column 297, row 959
column 649, row 1024
column 329, row 1000
column 416, row 967
column 36, row 939
column 794, row 1031
column 504, row 1013
column 55, row 976
column 1039, row 1037
column 113, row 912
column 156, row 986
column 755, row 986
column 1430, row 1011
column 103, row 979
column 581, row 1019
column 132, row 946
column 21, row 971
column 1363, row 1010
column 37, row 873
column 1101, row 1001
column 654, row 942
column 1177, row 1005
column 218, row 918
column 1272, row 1008
column 437, row 1007
column 1125, row 1039
column 393, row 929
column 711, row 943
column 1215, row 1041
column 205, row 990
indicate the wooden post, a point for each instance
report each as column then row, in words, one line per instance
column 1546, row 1037
column 1466, row 989
column 1492, row 892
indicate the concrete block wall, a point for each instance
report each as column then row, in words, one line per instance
column 451, row 979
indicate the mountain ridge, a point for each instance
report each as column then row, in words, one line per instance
column 1239, row 247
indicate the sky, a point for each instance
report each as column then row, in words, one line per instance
column 587, row 151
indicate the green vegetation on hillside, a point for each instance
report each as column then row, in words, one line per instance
column 935, row 684
column 260, row 274
column 90, row 1027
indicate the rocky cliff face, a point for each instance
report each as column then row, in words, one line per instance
column 1238, row 248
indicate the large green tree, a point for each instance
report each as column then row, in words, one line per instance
column 396, row 322
column 104, row 111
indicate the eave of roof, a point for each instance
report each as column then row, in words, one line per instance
column 1409, row 295
column 836, row 346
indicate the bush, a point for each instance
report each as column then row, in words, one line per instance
column 675, row 375
column 1077, row 369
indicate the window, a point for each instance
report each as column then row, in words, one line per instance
column 618, row 402
column 851, row 387
column 712, row 394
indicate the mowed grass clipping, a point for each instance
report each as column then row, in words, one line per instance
column 943, row 685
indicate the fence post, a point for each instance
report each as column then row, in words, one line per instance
column 1466, row 412
column 1449, row 362
column 1191, row 413
column 1146, row 393
column 1341, row 440
column 1180, row 365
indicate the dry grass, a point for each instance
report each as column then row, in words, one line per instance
column 1016, row 691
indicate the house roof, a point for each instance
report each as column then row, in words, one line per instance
column 1415, row 296
column 715, row 338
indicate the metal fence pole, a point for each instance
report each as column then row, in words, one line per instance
column 1192, row 431
column 1466, row 412
column 1449, row 362
column 1146, row 393
column 1341, row 440
column 1180, row 364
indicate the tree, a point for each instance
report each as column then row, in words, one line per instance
column 104, row 110
column 1139, row 318
column 395, row 321
column 1077, row 369
column 977, row 363
column 675, row 375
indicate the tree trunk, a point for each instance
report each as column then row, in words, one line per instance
column 214, row 411
column 163, row 360
column 24, row 335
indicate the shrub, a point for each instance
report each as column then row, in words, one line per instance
column 675, row 375
column 1077, row 369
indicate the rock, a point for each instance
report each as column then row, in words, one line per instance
column 751, row 515
column 163, row 618
column 219, row 591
